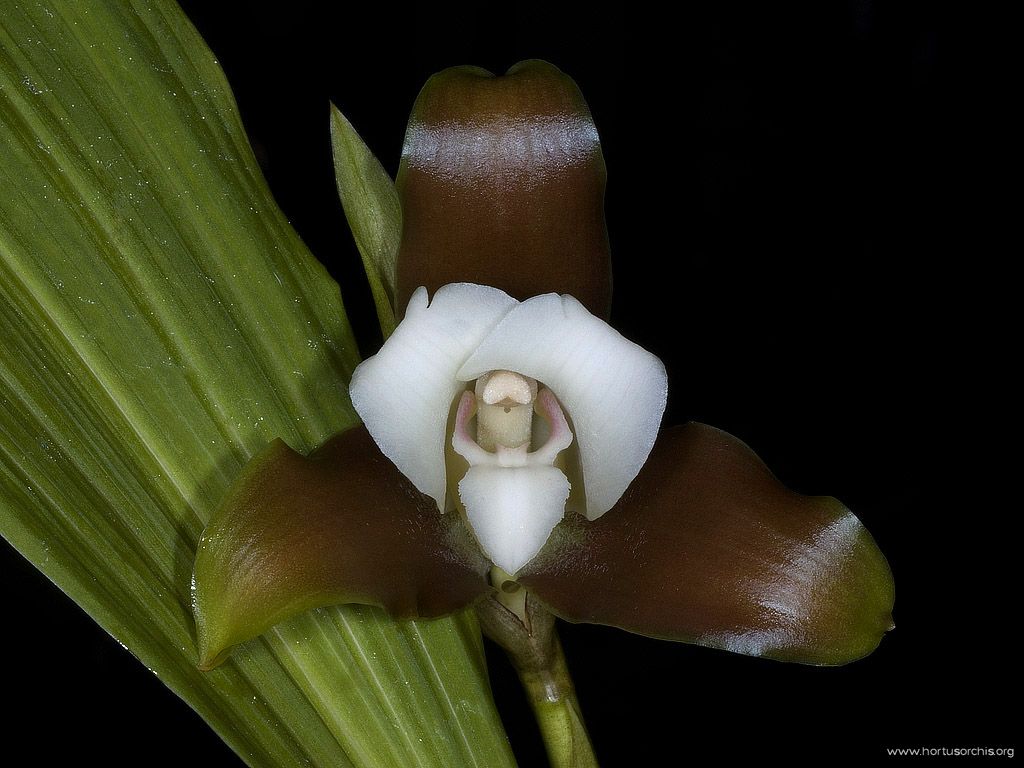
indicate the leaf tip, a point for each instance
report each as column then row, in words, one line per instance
column 338, row 121
column 212, row 652
column 209, row 660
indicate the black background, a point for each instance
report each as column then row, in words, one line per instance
column 778, row 185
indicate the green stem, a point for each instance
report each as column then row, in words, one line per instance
column 553, row 698
column 536, row 653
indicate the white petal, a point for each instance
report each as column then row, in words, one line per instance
column 513, row 509
column 404, row 392
column 613, row 390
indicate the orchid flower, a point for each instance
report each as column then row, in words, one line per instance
column 514, row 357
column 511, row 439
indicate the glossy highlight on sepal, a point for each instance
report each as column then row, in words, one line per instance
column 340, row 526
column 502, row 183
column 708, row 547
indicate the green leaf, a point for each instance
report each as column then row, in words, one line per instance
column 374, row 214
column 160, row 323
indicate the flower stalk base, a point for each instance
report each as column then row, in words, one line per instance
column 536, row 653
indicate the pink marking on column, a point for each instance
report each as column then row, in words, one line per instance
column 463, row 444
column 561, row 436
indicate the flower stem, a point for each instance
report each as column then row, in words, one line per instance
column 536, row 653
column 553, row 698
